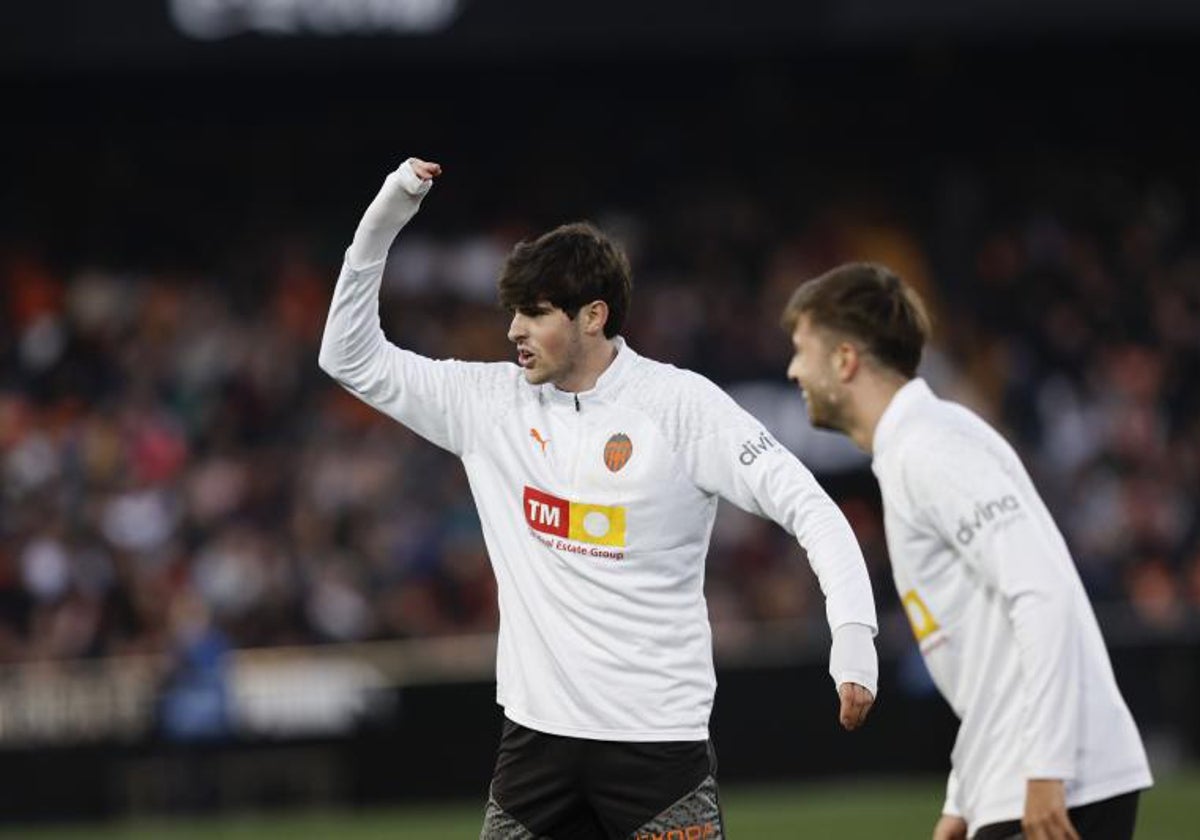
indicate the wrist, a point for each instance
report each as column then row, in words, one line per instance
column 852, row 657
column 406, row 178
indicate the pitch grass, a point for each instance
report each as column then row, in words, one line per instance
column 847, row 810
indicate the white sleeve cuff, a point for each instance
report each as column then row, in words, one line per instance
column 852, row 657
column 950, row 808
column 413, row 184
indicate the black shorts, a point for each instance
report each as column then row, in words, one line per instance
column 1108, row 819
column 549, row 786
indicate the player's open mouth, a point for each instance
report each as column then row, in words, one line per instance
column 524, row 358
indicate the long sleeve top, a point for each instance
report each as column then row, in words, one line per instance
column 596, row 509
column 1000, row 614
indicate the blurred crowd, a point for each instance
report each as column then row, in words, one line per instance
column 169, row 448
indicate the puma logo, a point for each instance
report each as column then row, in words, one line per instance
column 537, row 436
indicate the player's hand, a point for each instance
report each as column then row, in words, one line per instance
column 856, row 703
column 426, row 170
column 950, row 828
column 1046, row 811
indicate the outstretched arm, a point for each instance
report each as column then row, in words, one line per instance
column 778, row 486
column 393, row 207
column 353, row 348
column 738, row 460
column 423, row 394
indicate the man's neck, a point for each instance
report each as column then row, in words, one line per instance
column 592, row 365
column 874, row 394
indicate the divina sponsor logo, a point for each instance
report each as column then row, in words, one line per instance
column 754, row 447
column 985, row 513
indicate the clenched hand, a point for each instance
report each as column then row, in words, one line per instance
column 856, row 703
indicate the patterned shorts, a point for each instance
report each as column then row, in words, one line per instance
column 547, row 787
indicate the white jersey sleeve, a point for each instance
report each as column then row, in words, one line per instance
column 733, row 456
column 951, row 806
column 979, row 500
column 444, row 400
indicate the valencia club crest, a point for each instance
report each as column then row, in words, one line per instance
column 617, row 451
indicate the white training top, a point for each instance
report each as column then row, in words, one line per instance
column 597, row 509
column 1000, row 614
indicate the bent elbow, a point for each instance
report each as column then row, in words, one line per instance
column 330, row 361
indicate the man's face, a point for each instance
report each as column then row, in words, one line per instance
column 812, row 368
column 549, row 344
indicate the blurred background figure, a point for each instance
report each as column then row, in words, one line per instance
column 194, row 698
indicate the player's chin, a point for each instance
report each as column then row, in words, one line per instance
column 821, row 420
column 825, row 424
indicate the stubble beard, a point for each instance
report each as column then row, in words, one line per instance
column 535, row 377
column 825, row 412
column 570, row 360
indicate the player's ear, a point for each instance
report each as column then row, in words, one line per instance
column 847, row 358
column 594, row 316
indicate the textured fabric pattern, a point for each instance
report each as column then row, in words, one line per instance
column 498, row 825
column 696, row 816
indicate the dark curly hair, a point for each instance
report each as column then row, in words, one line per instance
column 568, row 267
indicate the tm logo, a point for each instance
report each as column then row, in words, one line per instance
column 752, row 448
column 580, row 521
column 547, row 516
column 985, row 513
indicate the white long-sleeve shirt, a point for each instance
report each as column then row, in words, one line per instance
column 1000, row 614
column 597, row 509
